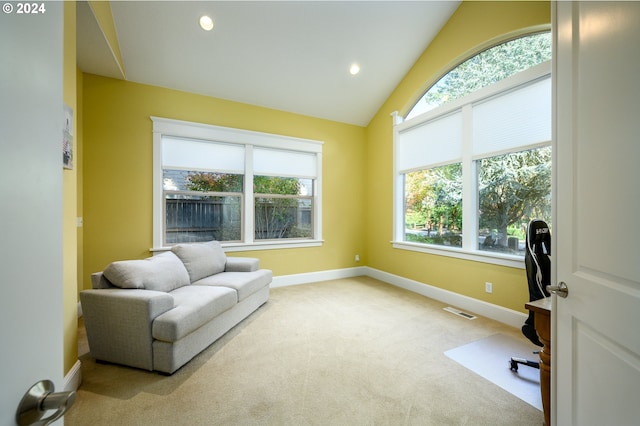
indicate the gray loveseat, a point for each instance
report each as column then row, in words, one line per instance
column 158, row 313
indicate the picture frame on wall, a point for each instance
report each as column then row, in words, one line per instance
column 67, row 138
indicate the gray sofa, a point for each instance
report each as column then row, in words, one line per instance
column 158, row 313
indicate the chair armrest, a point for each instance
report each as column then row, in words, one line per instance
column 241, row 264
column 118, row 323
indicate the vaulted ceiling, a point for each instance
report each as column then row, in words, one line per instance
column 292, row 56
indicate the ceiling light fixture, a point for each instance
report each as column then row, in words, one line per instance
column 354, row 69
column 206, row 23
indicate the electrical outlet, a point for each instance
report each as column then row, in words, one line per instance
column 357, row 258
column 488, row 287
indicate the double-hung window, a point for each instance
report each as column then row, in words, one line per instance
column 469, row 174
column 248, row 190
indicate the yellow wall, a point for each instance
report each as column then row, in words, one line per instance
column 357, row 166
column 69, row 182
column 79, row 181
column 473, row 27
column 117, row 164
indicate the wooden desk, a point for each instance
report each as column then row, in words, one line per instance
column 542, row 324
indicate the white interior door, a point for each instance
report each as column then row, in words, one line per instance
column 31, row 123
column 596, row 361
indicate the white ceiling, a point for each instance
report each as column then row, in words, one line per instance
column 287, row 55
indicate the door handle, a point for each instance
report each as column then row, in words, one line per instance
column 40, row 399
column 560, row 290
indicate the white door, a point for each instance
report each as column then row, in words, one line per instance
column 596, row 360
column 31, row 123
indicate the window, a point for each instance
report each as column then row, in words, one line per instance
column 474, row 166
column 195, row 211
column 283, row 207
column 512, row 189
column 433, row 205
column 484, row 69
column 248, row 190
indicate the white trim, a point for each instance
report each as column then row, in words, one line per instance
column 248, row 200
column 73, row 378
column 249, row 139
column 466, row 303
column 271, row 245
column 469, row 184
column 521, row 148
column 317, row 201
column 478, row 307
column 501, row 259
column 189, row 129
column 398, row 182
column 157, row 193
column 262, row 245
column 313, row 277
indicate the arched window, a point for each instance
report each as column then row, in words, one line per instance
column 472, row 159
column 484, row 69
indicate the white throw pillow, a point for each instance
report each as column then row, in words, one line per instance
column 201, row 259
column 162, row 272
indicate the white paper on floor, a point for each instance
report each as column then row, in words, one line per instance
column 489, row 358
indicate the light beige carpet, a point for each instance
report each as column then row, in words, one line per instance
column 344, row 352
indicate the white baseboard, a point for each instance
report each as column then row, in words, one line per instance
column 313, row 277
column 478, row 307
column 73, row 378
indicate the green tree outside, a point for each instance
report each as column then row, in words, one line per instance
column 276, row 203
column 434, row 205
column 513, row 188
column 489, row 67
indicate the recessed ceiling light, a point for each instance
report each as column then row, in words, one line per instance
column 354, row 69
column 206, row 23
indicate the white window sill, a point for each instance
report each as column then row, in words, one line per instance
column 266, row 245
column 474, row 255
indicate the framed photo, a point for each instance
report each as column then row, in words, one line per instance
column 67, row 138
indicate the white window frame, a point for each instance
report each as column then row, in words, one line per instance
column 469, row 250
column 249, row 139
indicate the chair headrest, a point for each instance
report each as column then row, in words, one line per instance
column 539, row 237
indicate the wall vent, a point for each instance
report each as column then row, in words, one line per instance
column 459, row 313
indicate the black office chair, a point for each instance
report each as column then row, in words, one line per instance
column 537, row 260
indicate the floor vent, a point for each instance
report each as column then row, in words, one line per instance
column 459, row 313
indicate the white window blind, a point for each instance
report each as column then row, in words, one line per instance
column 185, row 154
column 435, row 142
column 275, row 162
column 187, row 146
column 513, row 119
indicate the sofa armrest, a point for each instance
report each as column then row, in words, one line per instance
column 118, row 323
column 98, row 281
column 242, row 264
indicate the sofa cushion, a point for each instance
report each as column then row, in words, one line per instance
column 162, row 272
column 245, row 283
column 201, row 259
column 242, row 264
column 194, row 306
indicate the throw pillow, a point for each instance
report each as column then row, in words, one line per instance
column 162, row 272
column 201, row 259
